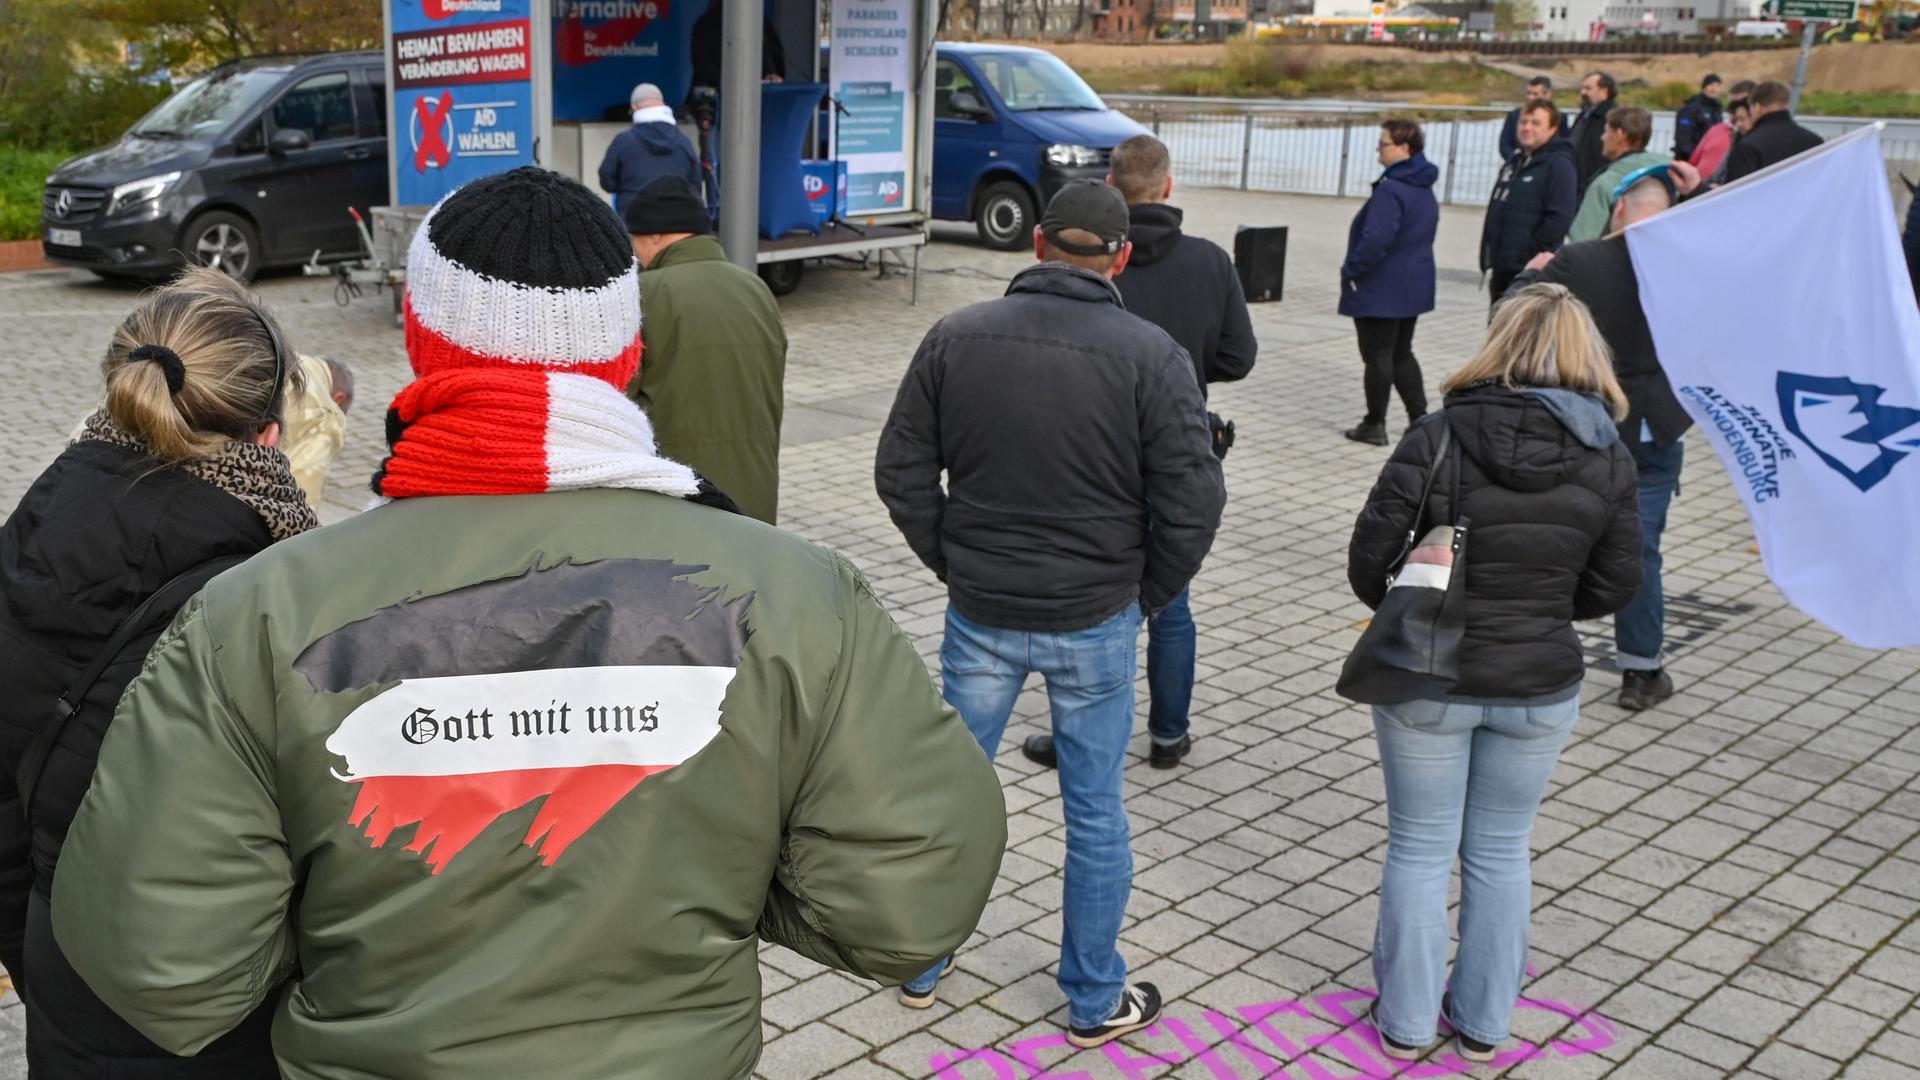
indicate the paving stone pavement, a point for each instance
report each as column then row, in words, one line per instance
column 1727, row 885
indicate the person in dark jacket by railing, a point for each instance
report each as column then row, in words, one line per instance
column 1598, row 93
column 1539, row 88
column 1697, row 117
column 1774, row 136
column 1081, row 492
column 178, row 470
column 1546, row 494
column 1186, row 286
column 1533, row 202
column 1910, row 239
column 1387, row 280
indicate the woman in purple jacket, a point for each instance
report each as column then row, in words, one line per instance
column 1386, row 283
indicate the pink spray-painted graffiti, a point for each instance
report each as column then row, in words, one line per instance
column 1249, row 1044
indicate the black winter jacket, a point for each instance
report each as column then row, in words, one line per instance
column 643, row 153
column 1589, row 157
column 1774, row 138
column 96, row 534
column 1080, row 471
column 1600, row 273
column 1187, row 286
column 1553, row 534
column 1910, row 239
column 1693, row 121
column 1531, row 208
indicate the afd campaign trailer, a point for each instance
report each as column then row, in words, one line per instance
column 482, row 86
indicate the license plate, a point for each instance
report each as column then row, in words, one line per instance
column 64, row 237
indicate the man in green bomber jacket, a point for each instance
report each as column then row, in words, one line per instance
column 510, row 775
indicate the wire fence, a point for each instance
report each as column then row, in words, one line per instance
column 1328, row 147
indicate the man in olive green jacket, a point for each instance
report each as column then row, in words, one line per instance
column 486, row 783
column 711, row 377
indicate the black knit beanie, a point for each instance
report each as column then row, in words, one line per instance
column 668, row 205
column 531, row 226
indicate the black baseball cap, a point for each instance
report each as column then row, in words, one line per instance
column 1090, row 206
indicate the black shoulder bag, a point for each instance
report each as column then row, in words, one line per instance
column 167, row 598
column 1411, row 649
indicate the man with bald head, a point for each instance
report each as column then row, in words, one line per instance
column 652, row 148
column 1600, row 273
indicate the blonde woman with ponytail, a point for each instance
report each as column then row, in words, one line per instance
column 1536, row 477
column 176, row 477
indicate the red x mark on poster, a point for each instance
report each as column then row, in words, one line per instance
column 431, row 146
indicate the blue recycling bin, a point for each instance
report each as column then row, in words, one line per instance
column 786, row 110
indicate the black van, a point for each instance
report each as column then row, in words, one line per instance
column 253, row 164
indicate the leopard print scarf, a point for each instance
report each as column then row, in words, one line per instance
column 256, row 475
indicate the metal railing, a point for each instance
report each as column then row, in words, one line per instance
column 1326, row 147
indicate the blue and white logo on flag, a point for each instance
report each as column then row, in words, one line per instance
column 1844, row 422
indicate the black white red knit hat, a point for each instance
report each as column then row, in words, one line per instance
column 525, row 268
column 523, row 325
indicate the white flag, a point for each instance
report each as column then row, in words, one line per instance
column 1783, row 315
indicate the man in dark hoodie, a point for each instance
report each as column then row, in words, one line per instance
column 652, row 148
column 1533, row 201
column 1186, row 286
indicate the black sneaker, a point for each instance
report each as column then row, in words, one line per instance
column 1139, row 1007
column 1167, row 755
column 925, row 1001
column 1398, row 1051
column 1644, row 689
column 1371, row 434
column 1470, row 1048
column 1039, row 750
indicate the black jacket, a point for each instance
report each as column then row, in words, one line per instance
column 1080, row 472
column 96, row 534
column 644, row 153
column 1774, row 138
column 1531, row 208
column 1589, row 158
column 1600, row 273
column 1553, row 532
column 1187, row 286
column 1910, row 239
column 1694, row 120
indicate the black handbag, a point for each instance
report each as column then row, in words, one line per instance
column 1222, row 432
column 167, row 598
column 1411, row 649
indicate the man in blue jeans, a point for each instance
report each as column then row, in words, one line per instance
column 1081, row 492
column 1600, row 273
column 1186, row 286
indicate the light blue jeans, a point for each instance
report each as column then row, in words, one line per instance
column 1461, row 779
column 1089, row 677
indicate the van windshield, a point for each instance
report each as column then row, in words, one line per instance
column 1035, row 82
column 210, row 103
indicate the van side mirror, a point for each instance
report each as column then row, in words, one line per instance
column 968, row 103
column 287, row 140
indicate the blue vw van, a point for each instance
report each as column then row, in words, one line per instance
column 1011, row 126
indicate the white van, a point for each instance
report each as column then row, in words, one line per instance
column 1759, row 28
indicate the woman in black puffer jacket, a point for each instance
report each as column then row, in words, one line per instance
column 177, row 475
column 1554, row 535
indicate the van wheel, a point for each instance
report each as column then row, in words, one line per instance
column 226, row 242
column 1004, row 216
column 782, row 277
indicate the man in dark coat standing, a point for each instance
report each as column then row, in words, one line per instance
column 1387, row 280
column 712, row 372
column 1533, row 202
column 1774, row 138
column 1081, row 492
column 1696, row 118
column 1600, row 273
column 652, row 148
column 1539, row 88
column 1597, row 93
column 1186, row 286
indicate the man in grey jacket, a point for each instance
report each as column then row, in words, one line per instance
column 1082, row 492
